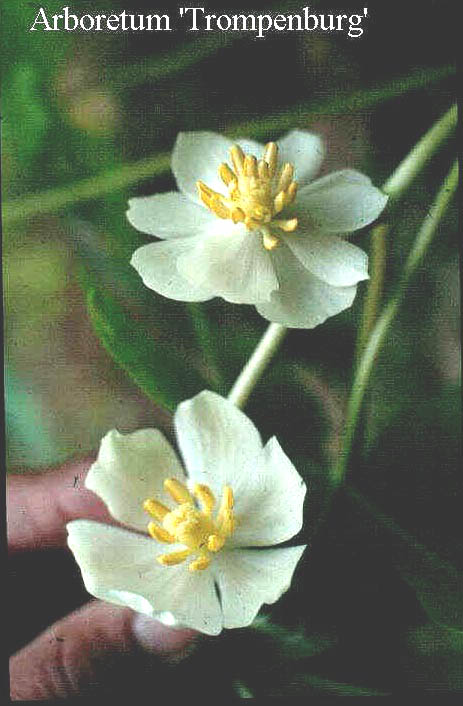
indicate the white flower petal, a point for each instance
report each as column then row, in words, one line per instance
column 303, row 300
column 247, row 578
column 233, row 263
column 131, row 468
column 169, row 215
column 268, row 509
column 219, row 444
column 120, row 567
column 198, row 156
column 341, row 202
column 328, row 257
column 250, row 147
column 305, row 151
column 156, row 263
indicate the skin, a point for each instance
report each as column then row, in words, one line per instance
column 98, row 648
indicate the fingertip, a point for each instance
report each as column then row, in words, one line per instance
column 171, row 643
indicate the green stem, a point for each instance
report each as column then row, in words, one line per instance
column 375, row 285
column 254, row 368
column 378, row 335
column 414, row 162
column 93, row 188
column 395, row 186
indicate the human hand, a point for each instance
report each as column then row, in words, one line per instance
column 97, row 649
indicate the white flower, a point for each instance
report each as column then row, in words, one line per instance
column 194, row 547
column 241, row 233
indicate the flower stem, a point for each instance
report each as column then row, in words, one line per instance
column 395, row 186
column 378, row 335
column 252, row 371
column 375, row 285
column 416, row 159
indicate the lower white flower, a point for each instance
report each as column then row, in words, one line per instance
column 248, row 232
column 192, row 557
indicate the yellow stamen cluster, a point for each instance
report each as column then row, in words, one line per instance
column 187, row 524
column 257, row 192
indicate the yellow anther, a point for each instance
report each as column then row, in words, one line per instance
column 212, row 200
column 200, row 563
column 195, row 528
column 155, row 509
column 205, row 496
column 292, row 191
column 225, row 518
column 237, row 215
column 271, row 157
column 288, row 226
column 205, row 193
column 263, row 169
column 226, row 174
column 218, row 207
column 251, row 223
column 173, row 558
column 279, row 202
column 256, row 194
column 286, row 177
column 250, row 166
column 269, row 240
column 178, row 491
column 237, row 158
column 215, row 542
column 159, row 533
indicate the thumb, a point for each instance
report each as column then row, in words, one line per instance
column 99, row 648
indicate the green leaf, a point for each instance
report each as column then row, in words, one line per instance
column 157, row 366
column 290, row 643
column 336, row 688
column 25, row 120
column 437, row 584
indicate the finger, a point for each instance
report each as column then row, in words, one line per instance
column 40, row 505
column 101, row 647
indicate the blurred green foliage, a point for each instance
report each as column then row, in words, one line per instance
column 89, row 121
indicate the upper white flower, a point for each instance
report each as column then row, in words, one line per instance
column 172, row 565
column 251, row 233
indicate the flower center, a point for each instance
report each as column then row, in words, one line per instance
column 196, row 528
column 257, row 192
